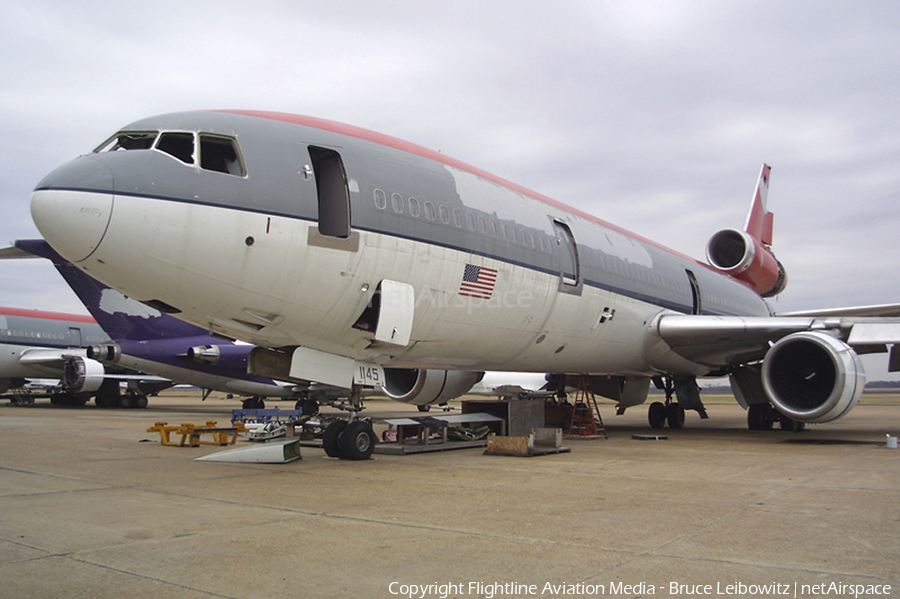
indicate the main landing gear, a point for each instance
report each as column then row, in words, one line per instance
column 681, row 393
column 253, row 403
column 661, row 413
column 351, row 439
column 762, row 417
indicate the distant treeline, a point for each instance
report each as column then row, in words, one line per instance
column 883, row 385
column 726, row 389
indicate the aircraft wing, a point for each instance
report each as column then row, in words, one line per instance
column 45, row 356
column 730, row 340
column 883, row 310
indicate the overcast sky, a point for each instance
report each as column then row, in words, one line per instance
column 655, row 116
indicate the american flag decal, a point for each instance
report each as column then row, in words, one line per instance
column 478, row 281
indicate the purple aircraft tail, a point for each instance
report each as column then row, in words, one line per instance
column 122, row 317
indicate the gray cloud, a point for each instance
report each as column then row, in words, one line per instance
column 653, row 115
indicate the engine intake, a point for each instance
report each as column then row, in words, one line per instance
column 424, row 387
column 738, row 254
column 813, row 377
column 82, row 375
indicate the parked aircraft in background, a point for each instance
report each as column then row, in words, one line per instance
column 144, row 339
column 44, row 354
column 141, row 338
column 358, row 259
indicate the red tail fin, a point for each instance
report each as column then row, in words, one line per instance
column 759, row 219
column 747, row 255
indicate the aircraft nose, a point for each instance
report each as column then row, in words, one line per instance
column 71, row 207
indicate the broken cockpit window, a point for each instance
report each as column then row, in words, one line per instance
column 217, row 152
column 130, row 140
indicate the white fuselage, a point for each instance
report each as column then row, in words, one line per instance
column 267, row 252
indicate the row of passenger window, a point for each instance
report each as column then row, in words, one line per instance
column 459, row 219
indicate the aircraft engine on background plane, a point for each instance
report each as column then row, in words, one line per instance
column 228, row 356
column 109, row 353
column 424, row 387
column 82, row 375
column 813, row 377
column 738, row 254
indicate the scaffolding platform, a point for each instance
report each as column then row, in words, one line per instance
column 432, row 433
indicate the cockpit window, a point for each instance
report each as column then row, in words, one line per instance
column 220, row 154
column 217, row 152
column 130, row 140
column 179, row 145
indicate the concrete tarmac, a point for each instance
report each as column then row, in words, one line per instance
column 92, row 505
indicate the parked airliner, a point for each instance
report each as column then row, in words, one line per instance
column 125, row 334
column 358, row 259
column 43, row 354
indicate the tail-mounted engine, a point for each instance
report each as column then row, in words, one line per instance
column 82, row 375
column 109, row 353
column 227, row 355
column 425, row 387
column 738, row 254
column 813, row 377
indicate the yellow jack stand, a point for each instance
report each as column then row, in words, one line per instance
column 221, row 436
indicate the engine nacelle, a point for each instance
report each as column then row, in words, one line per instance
column 82, row 375
column 425, row 387
column 738, row 254
column 225, row 355
column 110, row 353
column 813, row 377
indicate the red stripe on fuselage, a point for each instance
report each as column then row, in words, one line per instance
column 46, row 315
column 411, row 148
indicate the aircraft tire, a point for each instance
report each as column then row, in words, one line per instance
column 126, row 402
column 675, row 415
column 758, row 417
column 331, row 438
column 791, row 425
column 140, row 402
column 357, row 441
column 657, row 414
column 310, row 407
column 425, row 408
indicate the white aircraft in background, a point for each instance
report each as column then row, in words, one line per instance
column 360, row 259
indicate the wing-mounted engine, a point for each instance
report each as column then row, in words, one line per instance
column 425, row 387
column 747, row 255
column 82, row 375
column 738, row 254
column 813, row 377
